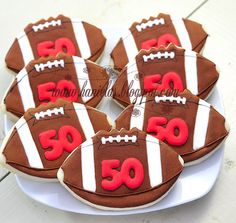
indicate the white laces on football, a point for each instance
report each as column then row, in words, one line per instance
column 56, row 63
column 119, row 138
column 49, row 112
column 42, row 26
column 150, row 23
column 159, row 55
column 179, row 100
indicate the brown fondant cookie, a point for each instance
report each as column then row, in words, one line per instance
column 121, row 170
column 54, row 35
column 47, row 79
column 165, row 68
column 42, row 139
column 191, row 126
column 157, row 31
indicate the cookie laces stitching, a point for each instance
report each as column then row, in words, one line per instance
column 56, row 63
column 118, row 139
column 49, row 112
column 42, row 26
column 159, row 55
column 179, row 100
column 150, row 23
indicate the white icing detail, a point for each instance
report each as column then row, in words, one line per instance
column 42, row 26
column 190, row 62
column 201, row 124
column 82, row 115
column 87, row 166
column 49, row 64
column 182, row 32
column 172, row 98
column 150, row 23
column 119, row 138
column 154, row 161
column 83, row 78
column 159, row 55
column 130, row 45
column 25, row 48
column 28, row 143
column 25, row 89
column 133, row 81
column 49, row 112
column 137, row 121
column 81, row 38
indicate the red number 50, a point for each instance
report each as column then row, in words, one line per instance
column 122, row 176
column 168, row 133
column 47, row 48
column 151, row 82
column 47, row 140
column 163, row 40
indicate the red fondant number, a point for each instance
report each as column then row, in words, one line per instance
column 155, row 124
column 170, row 78
column 47, row 48
column 122, row 176
column 163, row 40
column 63, row 89
column 68, row 139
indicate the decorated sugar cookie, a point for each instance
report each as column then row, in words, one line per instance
column 155, row 32
column 165, row 68
column 55, row 35
column 48, row 79
column 42, row 139
column 121, row 170
column 191, row 126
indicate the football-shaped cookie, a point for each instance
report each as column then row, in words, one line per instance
column 54, row 35
column 42, row 139
column 165, row 68
column 191, row 126
column 47, row 79
column 121, row 170
column 155, row 32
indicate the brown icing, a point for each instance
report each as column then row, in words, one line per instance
column 124, row 201
column 119, row 61
column 96, row 40
column 97, row 76
column 123, row 196
column 51, row 34
column 19, row 160
column 208, row 76
column 154, row 32
column 14, row 59
column 196, row 33
column 187, row 112
column 206, row 70
column 13, row 101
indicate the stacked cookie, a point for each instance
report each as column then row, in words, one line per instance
column 61, row 135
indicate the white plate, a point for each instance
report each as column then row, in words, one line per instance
column 194, row 182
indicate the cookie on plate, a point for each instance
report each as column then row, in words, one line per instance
column 54, row 35
column 155, row 32
column 41, row 140
column 191, row 126
column 120, row 170
column 165, row 68
column 47, row 79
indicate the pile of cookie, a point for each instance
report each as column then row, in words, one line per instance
column 60, row 134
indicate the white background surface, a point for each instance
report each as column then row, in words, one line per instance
column 218, row 18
